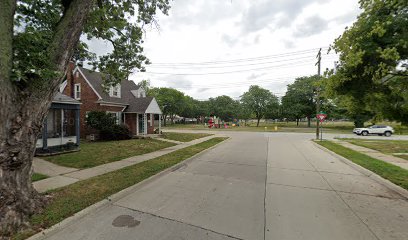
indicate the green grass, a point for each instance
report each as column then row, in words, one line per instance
column 402, row 156
column 184, row 137
column 386, row 170
column 38, row 177
column 96, row 153
column 384, row 146
column 329, row 127
column 71, row 199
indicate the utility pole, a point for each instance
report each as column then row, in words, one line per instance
column 319, row 58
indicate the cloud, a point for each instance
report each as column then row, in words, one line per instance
column 347, row 18
column 176, row 81
column 288, row 44
column 229, row 40
column 201, row 13
column 273, row 13
column 311, row 26
column 254, row 76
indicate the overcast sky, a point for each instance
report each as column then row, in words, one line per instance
column 208, row 48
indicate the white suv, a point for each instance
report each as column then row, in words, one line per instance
column 375, row 129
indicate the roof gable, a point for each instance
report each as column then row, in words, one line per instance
column 154, row 107
column 95, row 80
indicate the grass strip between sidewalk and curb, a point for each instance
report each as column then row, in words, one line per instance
column 184, row 137
column 395, row 174
column 389, row 147
column 67, row 201
column 38, row 176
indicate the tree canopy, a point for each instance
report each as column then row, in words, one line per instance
column 300, row 98
column 259, row 100
column 371, row 49
column 170, row 100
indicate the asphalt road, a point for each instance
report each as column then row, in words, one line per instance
column 255, row 186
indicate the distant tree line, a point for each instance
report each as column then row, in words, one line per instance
column 258, row 103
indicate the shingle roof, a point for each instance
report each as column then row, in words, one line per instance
column 61, row 98
column 134, row 104
column 139, row 105
column 96, row 80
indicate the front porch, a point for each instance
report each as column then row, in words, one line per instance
column 61, row 126
column 142, row 124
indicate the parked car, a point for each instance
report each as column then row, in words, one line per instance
column 375, row 129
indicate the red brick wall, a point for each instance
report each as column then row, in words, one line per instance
column 130, row 121
column 88, row 99
column 150, row 126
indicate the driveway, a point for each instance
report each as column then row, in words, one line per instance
column 255, row 186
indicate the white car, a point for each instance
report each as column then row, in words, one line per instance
column 375, row 129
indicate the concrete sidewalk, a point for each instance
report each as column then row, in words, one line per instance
column 375, row 154
column 62, row 176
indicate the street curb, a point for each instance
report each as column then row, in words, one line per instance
column 116, row 196
column 401, row 191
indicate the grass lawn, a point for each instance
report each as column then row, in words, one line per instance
column 184, row 137
column 38, row 177
column 329, row 127
column 384, row 146
column 71, row 199
column 96, row 153
column 386, row 170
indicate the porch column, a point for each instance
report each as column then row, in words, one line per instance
column 137, row 123
column 160, row 116
column 77, row 127
column 44, row 134
column 145, row 124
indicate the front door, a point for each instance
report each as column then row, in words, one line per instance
column 140, row 121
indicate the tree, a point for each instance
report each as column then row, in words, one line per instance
column 259, row 100
column 37, row 39
column 170, row 100
column 201, row 109
column 223, row 107
column 300, row 98
column 370, row 50
column 189, row 107
column 145, row 84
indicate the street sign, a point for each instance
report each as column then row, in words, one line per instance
column 321, row 116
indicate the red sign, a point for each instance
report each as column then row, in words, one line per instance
column 321, row 117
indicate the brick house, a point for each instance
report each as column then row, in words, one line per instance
column 127, row 101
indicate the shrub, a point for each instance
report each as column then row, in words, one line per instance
column 105, row 123
column 115, row 132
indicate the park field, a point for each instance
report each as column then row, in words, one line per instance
column 341, row 127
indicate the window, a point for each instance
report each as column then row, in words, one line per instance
column 114, row 91
column 77, row 91
column 117, row 116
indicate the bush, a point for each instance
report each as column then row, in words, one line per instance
column 115, row 132
column 105, row 123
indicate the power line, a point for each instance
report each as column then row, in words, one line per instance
column 237, row 84
column 244, row 59
column 238, row 65
column 298, row 63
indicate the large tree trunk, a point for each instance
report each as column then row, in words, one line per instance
column 18, row 198
column 22, row 112
column 308, row 121
column 165, row 119
column 257, row 122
